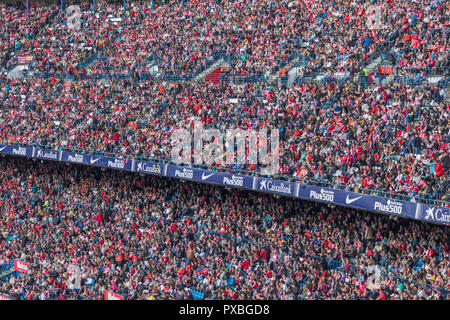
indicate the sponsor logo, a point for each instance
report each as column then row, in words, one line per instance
column 94, row 160
column 348, row 200
column 390, row 206
column 185, row 173
column 324, row 195
column 439, row 215
column 204, row 177
column 117, row 163
column 2, row 148
column 269, row 186
column 234, row 181
column 47, row 154
column 20, row 151
column 146, row 167
column 78, row 158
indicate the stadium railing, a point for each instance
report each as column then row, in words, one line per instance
column 239, row 79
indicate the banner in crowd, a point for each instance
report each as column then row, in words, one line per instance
column 4, row 297
column 108, row 162
column 197, row 295
column 112, row 296
column 358, row 200
column 401, row 208
column 432, row 213
column 21, row 266
column 24, row 59
column 16, row 151
column 199, row 175
column 275, row 186
column 148, row 167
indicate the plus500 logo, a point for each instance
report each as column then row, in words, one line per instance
column 390, row 206
column 234, row 181
column 186, row 173
column 324, row 195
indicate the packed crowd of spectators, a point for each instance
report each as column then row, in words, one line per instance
column 390, row 139
column 145, row 237
column 393, row 140
column 257, row 37
column 17, row 31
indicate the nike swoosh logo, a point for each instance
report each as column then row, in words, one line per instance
column 94, row 161
column 207, row 176
column 348, row 201
column 1, row 149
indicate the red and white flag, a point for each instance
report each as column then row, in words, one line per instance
column 21, row 266
column 112, row 296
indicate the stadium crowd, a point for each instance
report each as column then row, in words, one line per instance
column 17, row 31
column 150, row 238
column 256, row 37
column 391, row 139
column 394, row 140
column 145, row 237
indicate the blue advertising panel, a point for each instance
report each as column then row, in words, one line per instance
column 47, row 154
column 183, row 173
column 285, row 188
column 357, row 200
column 318, row 194
column 434, row 214
column 227, row 179
column 148, row 167
column 112, row 163
column 74, row 157
column 221, row 178
column 16, row 150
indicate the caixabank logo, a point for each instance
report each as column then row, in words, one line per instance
column 148, row 167
column 47, row 154
column 437, row 214
column 275, row 186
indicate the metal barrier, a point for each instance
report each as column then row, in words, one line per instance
column 238, row 78
column 399, row 80
column 317, row 78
